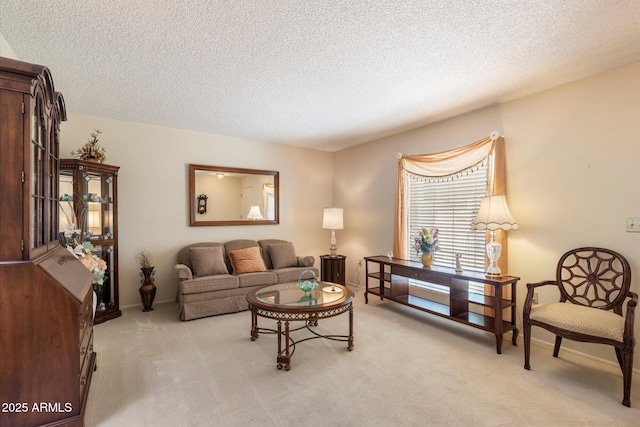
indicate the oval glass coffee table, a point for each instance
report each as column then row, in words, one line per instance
column 287, row 303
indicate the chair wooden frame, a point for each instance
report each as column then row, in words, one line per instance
column 590, row 277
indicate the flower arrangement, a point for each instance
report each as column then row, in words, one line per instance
column 91, row 150
column 93, row 263
column 427, row 241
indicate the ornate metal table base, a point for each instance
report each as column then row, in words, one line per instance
column 309, row 315
column 287, row 345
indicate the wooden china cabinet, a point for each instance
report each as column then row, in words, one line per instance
column 90, row 190
column 46, row 310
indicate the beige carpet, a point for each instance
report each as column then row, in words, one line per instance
column 407, row 369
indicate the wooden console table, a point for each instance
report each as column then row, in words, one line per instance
column 391, row 277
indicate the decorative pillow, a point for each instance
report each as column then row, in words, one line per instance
column 248, row 260
column 283, row 255
column 207, row 261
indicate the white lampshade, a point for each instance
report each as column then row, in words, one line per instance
column 494, row 214
column 254, row 213
column 332, row 219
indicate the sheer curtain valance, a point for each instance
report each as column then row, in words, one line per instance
column 444, row 165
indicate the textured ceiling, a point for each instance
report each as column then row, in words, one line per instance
column 324, row 74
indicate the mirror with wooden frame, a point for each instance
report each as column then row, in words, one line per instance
column 220, row 195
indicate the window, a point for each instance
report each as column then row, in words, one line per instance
column 449, row 204
column 446, row 189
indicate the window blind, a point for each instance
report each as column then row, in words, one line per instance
column 449, row 204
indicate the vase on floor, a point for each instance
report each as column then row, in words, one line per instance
column 427, row 259
column 147, row 288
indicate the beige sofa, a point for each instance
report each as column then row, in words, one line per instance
column 215, row 278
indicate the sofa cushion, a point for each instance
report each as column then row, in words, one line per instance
column 257, row 279
column 209, row 283
column 248, row 260
column 283, row 255
column 207, row 261
column 292, row 274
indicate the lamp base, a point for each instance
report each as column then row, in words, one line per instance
column 493, row 271
column 333, row 249
column 494, row 249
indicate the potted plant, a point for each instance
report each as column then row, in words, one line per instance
column 147, row 287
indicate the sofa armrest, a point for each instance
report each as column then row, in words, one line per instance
column 306, row 261
column 183, row 272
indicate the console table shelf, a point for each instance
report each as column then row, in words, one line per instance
column 392, row 276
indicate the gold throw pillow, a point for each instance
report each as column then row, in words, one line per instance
column 248, row 260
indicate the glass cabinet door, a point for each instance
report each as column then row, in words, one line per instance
column 98, row 204
column 66, row 205
column 38, row 159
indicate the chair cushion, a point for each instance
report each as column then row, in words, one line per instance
column 283, row 255
column 248, row 260
column 207, row 261
column 580, row 319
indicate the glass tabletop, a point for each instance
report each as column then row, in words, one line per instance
column 290, row 295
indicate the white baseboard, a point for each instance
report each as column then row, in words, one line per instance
column 576, row 352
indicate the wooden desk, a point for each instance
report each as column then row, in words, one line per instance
column 391, row 277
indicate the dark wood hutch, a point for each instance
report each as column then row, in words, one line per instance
column 46, row 314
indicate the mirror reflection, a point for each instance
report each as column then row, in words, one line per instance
column 232, row 196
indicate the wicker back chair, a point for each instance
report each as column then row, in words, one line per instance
column 593, row 284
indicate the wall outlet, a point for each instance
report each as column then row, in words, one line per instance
column 359, row 263
column 535, row 297
column 633, row 225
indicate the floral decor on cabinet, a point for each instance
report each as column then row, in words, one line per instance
column 427, row 243
column 91, row 151
column 93, row 263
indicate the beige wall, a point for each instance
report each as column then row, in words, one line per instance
column 153, row 188
column 573, row 177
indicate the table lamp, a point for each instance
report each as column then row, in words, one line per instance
column 254, row 213
column 494, row 215
column 332, row 220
